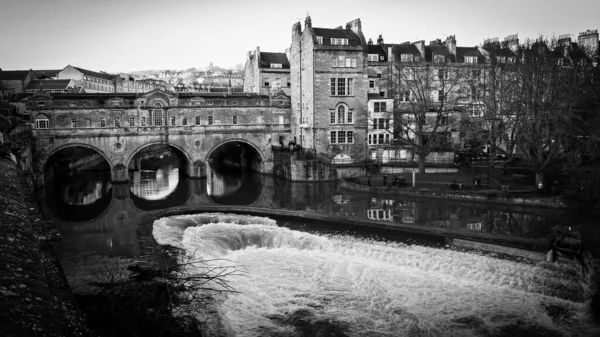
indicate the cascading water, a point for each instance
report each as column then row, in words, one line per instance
column 299, row 283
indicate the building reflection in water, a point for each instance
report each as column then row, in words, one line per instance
column 155, row 185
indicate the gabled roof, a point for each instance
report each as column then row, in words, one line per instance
column 267, row 58
column 41, row 74
column 48, row 84
column 499, row 51
column 328, row 33
column 13, row 74
column 461, row 52
column 96, row 74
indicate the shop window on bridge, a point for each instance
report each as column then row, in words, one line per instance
column 131, row 121
column 73, row 123
column 117, row 122
column 102, row 122
column 172, row 121
column 210, row 120
column 184, row 121
column 235, row 120
column 143, row 121
column 197, row 120
column 42, row 123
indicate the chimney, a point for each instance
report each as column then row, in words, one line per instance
column 436, row 42
column 355, row 26
column 451, row 44
column 370, row 42
column 296, row 29
column 421, row 47
column 287, row 53
column 588, row 40
column 307, row 22
column 380, row 40
column 512, row 42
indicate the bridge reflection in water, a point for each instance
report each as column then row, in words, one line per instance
column 102, row 218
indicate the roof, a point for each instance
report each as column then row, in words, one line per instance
column 328, row 33
column 48, row 84
column 41, row 74
column 95, row 74
column 406, row 49
column 376, row 49
column 267, row 58
column 436, row 50
column 13, row 74
column 461, row 52
column 499, row 51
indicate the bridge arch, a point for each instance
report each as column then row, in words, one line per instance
column 189, row 162
column 65, row 146
column 260, row 153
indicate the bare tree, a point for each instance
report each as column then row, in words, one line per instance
column 427, row 97
column 548, row 90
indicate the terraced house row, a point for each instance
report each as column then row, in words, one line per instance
column 354, row 98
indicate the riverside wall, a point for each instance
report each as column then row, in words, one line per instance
column 35, row 299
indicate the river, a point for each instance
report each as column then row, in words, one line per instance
column 296, row 274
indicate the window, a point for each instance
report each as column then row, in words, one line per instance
column 184, row 121
column 444, row 119
column 470, row 59
column 341, row 137
column 380, row 107
column 275, row 65
column 280, row 120
column 342, row 87
column 102, row 122
column 442, row 74
column 319, row 40
column 277, row 83
column 501, row 59
column 210, row 119
column 143, row 121
column 341, row 116
column 406, row 58
column 158, row 115
column 511, row 60
column 117, row 122
column 474, row 111
column 373, row 57
column 73, row 123
column 343, row 61
column 339, row 41
column 267, row 83
column 405, row 96
column 42, row 123
column 131, row 121
column 439, row 59
column 172, row 121
column 41, row 103
column 409, row 74
column 197, row 121
column 440, row 95
column 371, row 84
column 289, row 84
column 259, row 119
column 235, row 121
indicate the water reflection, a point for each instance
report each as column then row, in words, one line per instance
column 103, row 215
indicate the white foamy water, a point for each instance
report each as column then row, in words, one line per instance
column 371, row 288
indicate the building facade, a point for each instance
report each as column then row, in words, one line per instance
column 265, row 73
column 90, row 81
column 329, row 89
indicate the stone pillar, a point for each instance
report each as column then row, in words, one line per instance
column 119, row 173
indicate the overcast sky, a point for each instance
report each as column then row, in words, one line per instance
column 131, row 35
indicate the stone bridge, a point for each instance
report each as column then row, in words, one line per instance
column 200, row 127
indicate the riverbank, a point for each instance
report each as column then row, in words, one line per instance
column 35, row 297
column 459, row 185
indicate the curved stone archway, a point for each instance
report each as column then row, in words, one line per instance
column 189, row 162
column 65, row 146
column 261, row 156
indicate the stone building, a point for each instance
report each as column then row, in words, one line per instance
column 265, row 73
column 329, row 89
column 15, row 81
column 90, row 81
column 50, row 85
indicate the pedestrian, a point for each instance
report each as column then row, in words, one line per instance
column 384, row 180
column 476, row 181
column 369, row 180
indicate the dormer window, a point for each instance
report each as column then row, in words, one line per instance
column 373, row 57
column 470, row 59
column 406, row 58
column 275, row 65
column 339, row 41
column 439, row 59
column 319, row 40
column 511, row 60
column 501, row 59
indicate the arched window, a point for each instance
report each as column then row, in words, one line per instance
column 341, row 114
column 157, row 115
